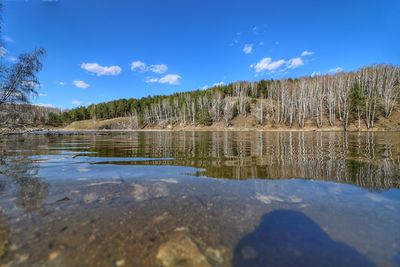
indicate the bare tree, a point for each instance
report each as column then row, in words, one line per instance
column 19, row 81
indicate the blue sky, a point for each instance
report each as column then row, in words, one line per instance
column 104, row 50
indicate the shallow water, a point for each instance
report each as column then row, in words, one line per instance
column 200, row 199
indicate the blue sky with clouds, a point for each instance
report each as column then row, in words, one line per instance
column 104, row 50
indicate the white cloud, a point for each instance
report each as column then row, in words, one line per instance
column 315, row 73
column 294, row 63
column 41, row 94
column 12, row 59
column 266, row 64
column 306, row 53
column 31, row 84
column 138, row 65
column 80, row 84
column 159, row 68
column 61, row 83
column 8, row 39
column 335, row 70
column 151, row 80
column 141, row 66
column 218, row 84
column 172, row 79
column 76, row 102
column 101, row 70
column 248, row 49
column 3, row 51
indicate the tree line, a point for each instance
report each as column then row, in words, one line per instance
column 324, row 100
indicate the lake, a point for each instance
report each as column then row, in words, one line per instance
column 200, row 199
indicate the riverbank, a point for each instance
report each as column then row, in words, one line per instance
column 240, row 123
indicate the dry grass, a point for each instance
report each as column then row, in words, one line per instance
column 242, row 123
column 116, row 123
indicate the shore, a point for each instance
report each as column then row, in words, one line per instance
column 239, row 123
column 63, row 131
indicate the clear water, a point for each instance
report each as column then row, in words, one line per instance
column 200, row 199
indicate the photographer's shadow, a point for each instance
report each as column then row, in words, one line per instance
column 290, row 238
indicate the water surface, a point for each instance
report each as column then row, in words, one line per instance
column 200, row 199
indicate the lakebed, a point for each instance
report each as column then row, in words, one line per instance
column 197, row 198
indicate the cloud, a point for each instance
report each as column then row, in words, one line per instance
column 141, row 66
column 76, row 102
column 151, row 80
column 30, row 84
column 3, row 51
column 159, row 68
column 294, row 63
column 261, row 43
column 40, row 94
column 315, row 73
column 138, row 65
column 266, row 64
column 101, row 70
column 335, row 70
column 61, row 83
column 172, row 79
column 80, row 84
column 306, row 53
column 12, row 59
column 248, row 49
column 8, row 39
column 218, row 84
column 221, row 83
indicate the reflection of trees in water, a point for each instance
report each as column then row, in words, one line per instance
column 367, row 159
column 4, row 236
column 19, row 170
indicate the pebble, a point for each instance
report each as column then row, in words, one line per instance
column 54, row 255
column 120, row 263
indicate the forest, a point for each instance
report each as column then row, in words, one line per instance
column 323, row 100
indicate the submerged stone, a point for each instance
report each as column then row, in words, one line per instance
column 180, row 250
column 54, row 255
column 170, row 181
column 149, row 191
column 104, row 182
column 90, row 198
column 295, row 199
column 120, row 263
column 263, row 198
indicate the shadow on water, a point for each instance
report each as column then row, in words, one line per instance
column 396, row 258
column 290, row 238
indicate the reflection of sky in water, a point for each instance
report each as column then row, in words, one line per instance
column 174, row 178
